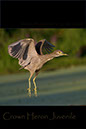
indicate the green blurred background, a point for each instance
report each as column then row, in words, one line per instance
column 67, row 40
column 65, row 77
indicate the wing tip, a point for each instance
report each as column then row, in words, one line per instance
column 9, row 50
column 53, row 45
column 49, row 43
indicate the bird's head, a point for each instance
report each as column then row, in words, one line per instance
column 59, row 53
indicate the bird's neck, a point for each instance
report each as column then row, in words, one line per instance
column 49, row 57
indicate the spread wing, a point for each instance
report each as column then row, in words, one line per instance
column 24, row 50
column 43, row 46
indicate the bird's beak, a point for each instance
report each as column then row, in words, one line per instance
column 65, row 54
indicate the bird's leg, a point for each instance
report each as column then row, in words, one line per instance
column 35, row 89
column 29, row 89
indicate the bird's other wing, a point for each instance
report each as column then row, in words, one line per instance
column 43, row 46
column 24, row 50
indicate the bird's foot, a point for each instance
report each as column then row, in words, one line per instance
column 29, row 92
column 35, row 91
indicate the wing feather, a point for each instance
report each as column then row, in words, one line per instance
column 44, row 45
column 24, row 50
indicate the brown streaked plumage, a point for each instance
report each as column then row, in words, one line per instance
column 31, row 56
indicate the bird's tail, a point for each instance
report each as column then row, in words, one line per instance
column 24, row 66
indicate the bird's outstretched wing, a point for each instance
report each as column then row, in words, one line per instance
column 24, row 50
column 43, row 46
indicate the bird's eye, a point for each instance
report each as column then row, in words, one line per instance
column 59, row 52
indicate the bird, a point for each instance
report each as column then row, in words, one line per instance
column 32, row 56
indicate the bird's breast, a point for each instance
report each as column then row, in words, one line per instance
column 35, row 64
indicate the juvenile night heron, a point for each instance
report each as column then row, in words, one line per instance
column 31, row 57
